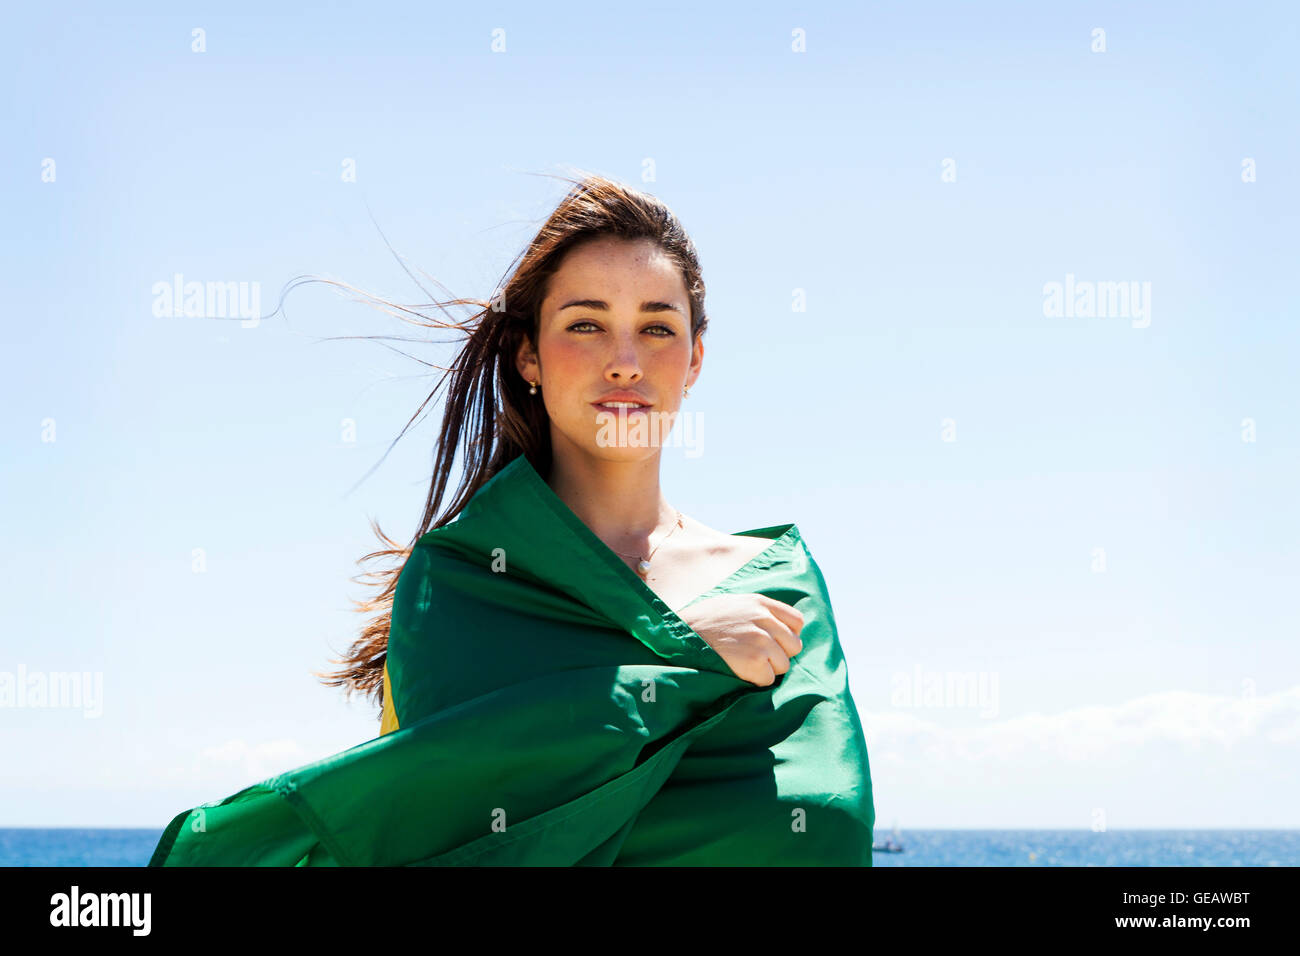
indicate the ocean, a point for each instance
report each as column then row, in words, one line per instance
column 31, row 846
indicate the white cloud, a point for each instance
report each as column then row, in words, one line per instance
column 1189, row 721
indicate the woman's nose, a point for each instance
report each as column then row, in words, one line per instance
column 623, row 364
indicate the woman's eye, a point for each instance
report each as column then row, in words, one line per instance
column 669, row 332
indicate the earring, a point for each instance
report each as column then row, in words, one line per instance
column 533, row 390
column 686, row 392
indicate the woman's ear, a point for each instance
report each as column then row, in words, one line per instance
column 526, row 362
column 697, row 361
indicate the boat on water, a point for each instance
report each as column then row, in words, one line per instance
column 892, row 844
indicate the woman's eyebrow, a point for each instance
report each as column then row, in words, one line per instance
column 602, row 306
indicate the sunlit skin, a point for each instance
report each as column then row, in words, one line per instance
column 585, row 352
column 639, row 340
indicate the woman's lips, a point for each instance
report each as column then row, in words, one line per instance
column 620, row 408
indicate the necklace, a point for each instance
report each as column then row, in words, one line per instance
column 643, row 564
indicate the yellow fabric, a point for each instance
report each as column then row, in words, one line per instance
column 388, row 721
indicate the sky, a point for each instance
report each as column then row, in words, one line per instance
column 1087, row 516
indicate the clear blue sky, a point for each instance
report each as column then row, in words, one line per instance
column 1163, row 690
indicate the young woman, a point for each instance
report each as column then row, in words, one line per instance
column 572, row 670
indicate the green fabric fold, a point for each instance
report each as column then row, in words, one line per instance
column 554, row 711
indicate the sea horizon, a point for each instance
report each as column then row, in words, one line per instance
column 72, row 846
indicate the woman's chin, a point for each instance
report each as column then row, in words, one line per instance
column 605, row 451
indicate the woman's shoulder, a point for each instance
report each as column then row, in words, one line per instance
column 744, row 546
column 749, row 546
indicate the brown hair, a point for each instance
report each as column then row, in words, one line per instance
column 488, row 406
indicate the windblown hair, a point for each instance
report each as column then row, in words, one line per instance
column 488, row 407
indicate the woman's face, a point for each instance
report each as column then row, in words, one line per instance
column 616, row 318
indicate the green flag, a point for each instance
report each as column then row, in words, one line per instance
column 552, row 710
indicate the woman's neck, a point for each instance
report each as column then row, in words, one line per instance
column 621, row 502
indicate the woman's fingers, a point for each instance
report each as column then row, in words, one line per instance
column 755, row 635
column 783, row 623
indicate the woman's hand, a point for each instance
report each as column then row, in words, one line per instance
column 756, row 635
